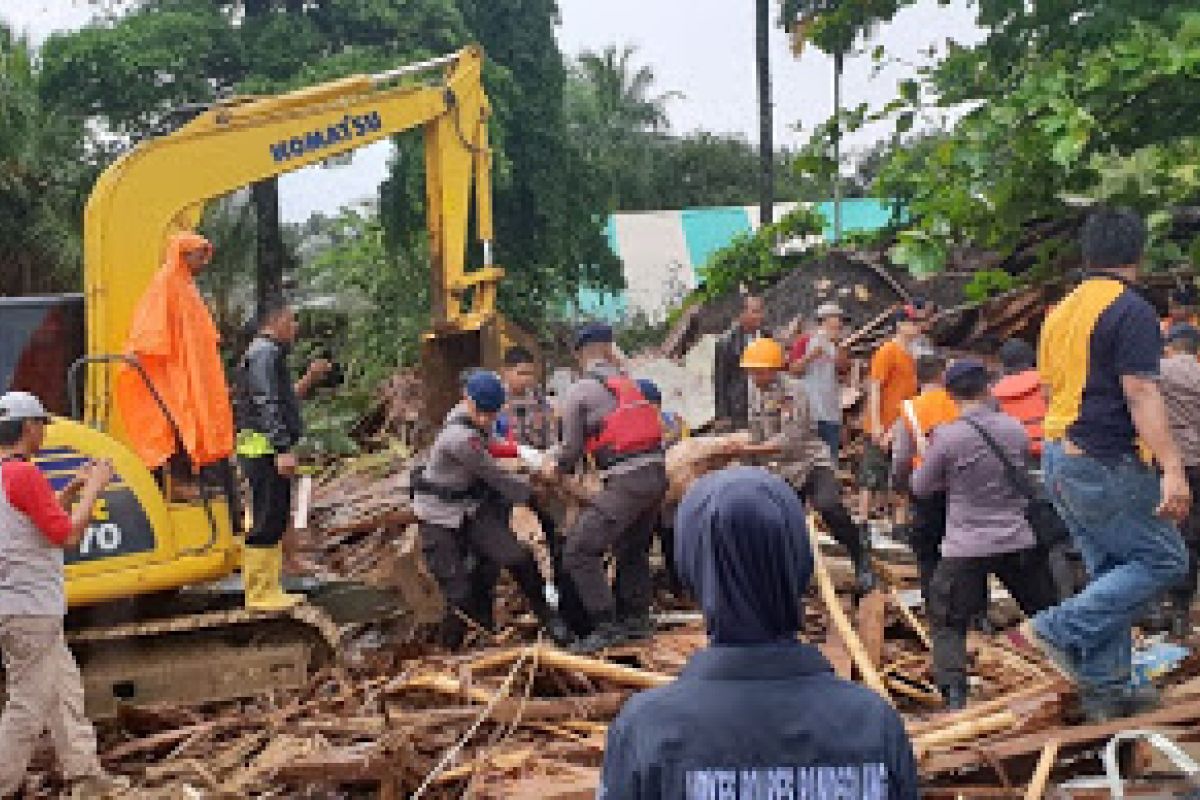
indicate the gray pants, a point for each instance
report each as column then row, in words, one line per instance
column 45, row 691
column 619, row 520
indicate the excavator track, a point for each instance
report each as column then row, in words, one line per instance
column 202, row 657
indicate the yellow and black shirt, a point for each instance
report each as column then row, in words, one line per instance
column 1102, row 331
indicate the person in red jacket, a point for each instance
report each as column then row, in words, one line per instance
column 1019, row 392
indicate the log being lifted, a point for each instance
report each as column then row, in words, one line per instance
column 591, row 667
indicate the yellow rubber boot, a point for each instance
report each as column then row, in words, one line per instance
column 261, row 572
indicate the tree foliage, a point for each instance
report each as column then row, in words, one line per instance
column 1070, row 101
column 45, row 170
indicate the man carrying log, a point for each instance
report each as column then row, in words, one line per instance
column 605, row 416
column 782, row 426
column 463, row 499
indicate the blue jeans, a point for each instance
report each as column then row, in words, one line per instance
column 1131, row 556
column 831, row 434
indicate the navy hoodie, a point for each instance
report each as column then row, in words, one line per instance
column 757, row 714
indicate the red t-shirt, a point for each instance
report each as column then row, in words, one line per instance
column 29, row 492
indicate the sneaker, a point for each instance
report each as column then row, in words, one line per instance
column 1026, row 640
column 1107, row 705
column 606, row 635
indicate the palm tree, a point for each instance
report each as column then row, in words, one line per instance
column 44, row 177
column 622, row 91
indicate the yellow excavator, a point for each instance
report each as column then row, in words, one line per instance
column 140, row 619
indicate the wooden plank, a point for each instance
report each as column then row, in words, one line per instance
column 1068, row 737
column 837, row 616
column 1041, row 774
column 870, row 625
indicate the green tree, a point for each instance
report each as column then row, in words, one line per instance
column 1072, row 100
column 833, row 26
column 148, row 69
column 44, row 169
column 548, row 205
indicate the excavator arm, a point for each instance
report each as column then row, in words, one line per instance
column 162, row 185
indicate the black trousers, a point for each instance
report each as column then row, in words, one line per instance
column 466, row 563
column 620, row 519
column 822, row 491
column 926, row 531
column 1189, row 529
column 270, row 499
column 960, row 593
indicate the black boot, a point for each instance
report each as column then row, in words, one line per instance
column 954, row 696
column 529, row 579
column 607, row 633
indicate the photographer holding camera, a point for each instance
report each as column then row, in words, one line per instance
column 267, row 410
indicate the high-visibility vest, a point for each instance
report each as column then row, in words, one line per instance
column 925, row 412
column 1021, row 397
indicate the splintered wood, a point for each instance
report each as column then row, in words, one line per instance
column 513, row 717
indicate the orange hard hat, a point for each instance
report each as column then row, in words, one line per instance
column 763, row 354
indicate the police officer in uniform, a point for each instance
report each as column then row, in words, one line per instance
column 782, row 424
column 463, row 499
column 605, row 416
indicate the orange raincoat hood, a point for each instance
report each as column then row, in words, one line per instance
column 174, row 338
column 1020, row 396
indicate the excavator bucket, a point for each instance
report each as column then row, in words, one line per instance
column 447, row 354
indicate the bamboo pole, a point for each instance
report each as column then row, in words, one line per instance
column 592, row 667
column 910, row 618
column 837, row 616
column 1041, row 775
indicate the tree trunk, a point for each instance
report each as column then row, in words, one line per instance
column 766, row 197
column 269, row 242
column 838, row 59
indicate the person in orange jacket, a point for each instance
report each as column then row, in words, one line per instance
column 1019, row 392
column 919, row 417
column 174, row 339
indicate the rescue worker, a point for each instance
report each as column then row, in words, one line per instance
column 1019, row 392
column 781, row 424
column 731, row 389
column 175, row 341
column 605, row 417
column 269, row 427
column 1181, row 308
column 527, row 417
column 1179, row 381
column 911, row 434
column 463, row 499
column 758, row 713
column 674, row 426
column 675, row 429
column 42, row 683
column 987, row 533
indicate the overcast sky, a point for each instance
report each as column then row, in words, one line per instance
column 702, row 48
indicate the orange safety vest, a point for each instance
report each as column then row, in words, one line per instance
column 1021, row 397
column 925, row 412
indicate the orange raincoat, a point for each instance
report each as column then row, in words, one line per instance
column 175, row 340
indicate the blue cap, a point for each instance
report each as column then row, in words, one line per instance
column 965, row 369
column 650, row 391
column 593, row 333
column 486, row 391
column 1182, row 330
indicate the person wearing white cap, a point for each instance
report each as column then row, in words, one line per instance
column 42, row 680
column 818, row 366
